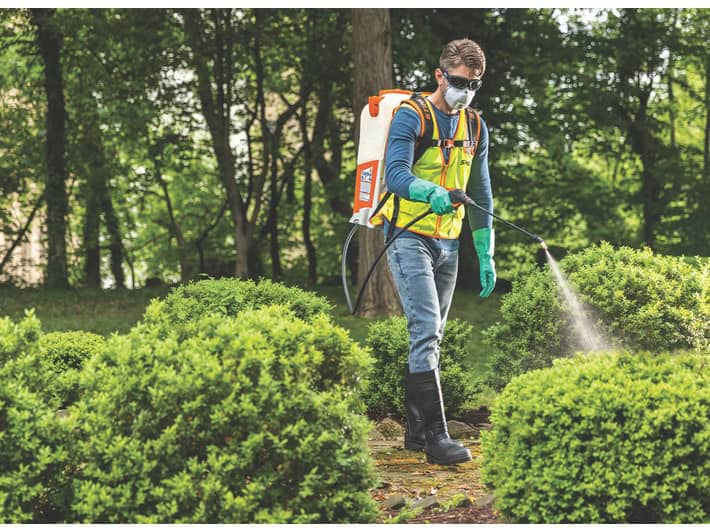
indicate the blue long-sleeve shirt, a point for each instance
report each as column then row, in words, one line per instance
column 403, row 133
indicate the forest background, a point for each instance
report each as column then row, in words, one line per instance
column 162, row 144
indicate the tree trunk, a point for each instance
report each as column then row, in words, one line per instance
column 115, row 242
column 706, row 148
column 276, row 270
column 646, row 148
column 308, row 200
column 372, row 61
column 216, row 109
column 671, row 96
column 671, row 106
column 175, row 229
column 92, row 220
column 94, row 168
column 49, row 40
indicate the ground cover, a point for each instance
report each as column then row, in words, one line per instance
column 414, row 491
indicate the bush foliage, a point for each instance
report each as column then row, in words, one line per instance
column 34, row 461
column 643, row 301
column 18, row 338
column 248, row 419
column 606, row 438
column 228, row 297
column 388, row 341
column 62, row 355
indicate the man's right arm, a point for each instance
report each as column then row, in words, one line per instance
column 403, row 133
column 404, row 130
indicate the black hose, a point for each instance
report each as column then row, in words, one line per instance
column 352, row 309
column 457, row 196
column 343, row 263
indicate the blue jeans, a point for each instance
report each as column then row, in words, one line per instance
column 424, row 270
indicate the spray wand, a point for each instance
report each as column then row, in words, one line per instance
column 457, row 197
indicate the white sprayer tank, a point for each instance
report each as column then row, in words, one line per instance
column 375, row 121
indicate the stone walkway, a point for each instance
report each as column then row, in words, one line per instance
column 413, row 490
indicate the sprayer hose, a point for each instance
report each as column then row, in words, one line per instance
column 457, row 196
column 352, row 232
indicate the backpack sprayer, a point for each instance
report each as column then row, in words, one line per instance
column 375, row 119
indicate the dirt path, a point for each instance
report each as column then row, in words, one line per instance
column 455, row 493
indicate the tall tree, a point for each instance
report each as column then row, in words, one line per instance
column 372, row 72
column 49, row 40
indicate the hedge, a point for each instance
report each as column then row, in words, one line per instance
column 604, row 438
column 251, row 419
column 643, row 302
column 228, row 297
column 35, row 466
column 63, row 354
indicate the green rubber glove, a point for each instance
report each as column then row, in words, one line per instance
column 484, row 242
column 437, row 197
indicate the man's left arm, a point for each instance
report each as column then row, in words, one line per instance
column 479, row 189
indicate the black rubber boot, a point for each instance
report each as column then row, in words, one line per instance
column 414, row 429
column 440, row 448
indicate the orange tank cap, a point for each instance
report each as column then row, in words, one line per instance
column 373, row 103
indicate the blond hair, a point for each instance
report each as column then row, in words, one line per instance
column 463, row 52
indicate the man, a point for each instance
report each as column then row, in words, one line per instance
column 424, row 260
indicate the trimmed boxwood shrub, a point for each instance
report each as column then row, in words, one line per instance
column 50, row 365
column 70, row 349
column 388, row 341
column 18, row 338
column 643, row 301
column 63, row 354
column 228, row 297
column 35, row 468
column 256, row 418
column 609, row 437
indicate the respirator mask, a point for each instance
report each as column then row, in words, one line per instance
column 460, row 91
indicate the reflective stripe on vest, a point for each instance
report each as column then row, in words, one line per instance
column 451, row 175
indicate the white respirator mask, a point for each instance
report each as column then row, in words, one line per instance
column 460, row 91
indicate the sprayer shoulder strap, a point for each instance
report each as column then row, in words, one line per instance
column 426, row 131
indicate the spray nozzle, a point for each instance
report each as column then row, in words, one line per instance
column 541, row 241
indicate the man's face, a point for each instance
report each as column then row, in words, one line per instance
column 461, row 71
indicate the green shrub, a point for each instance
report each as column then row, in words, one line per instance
column 35, row 468
column 50, row 368
column 249, row 419
column 17, row 338
column 63, row 354
column 643, row 301
column 34, row 464
column 388, row 341
column 70, row 349
column 228, row 297
column 609, row 437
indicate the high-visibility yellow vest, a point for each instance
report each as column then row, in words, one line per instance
column 431, row 166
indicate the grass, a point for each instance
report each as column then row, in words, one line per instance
column 98, row 311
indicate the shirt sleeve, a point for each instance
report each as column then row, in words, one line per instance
column 479, row 185
column 403, row 133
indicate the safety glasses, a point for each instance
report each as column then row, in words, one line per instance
column 459, row 82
